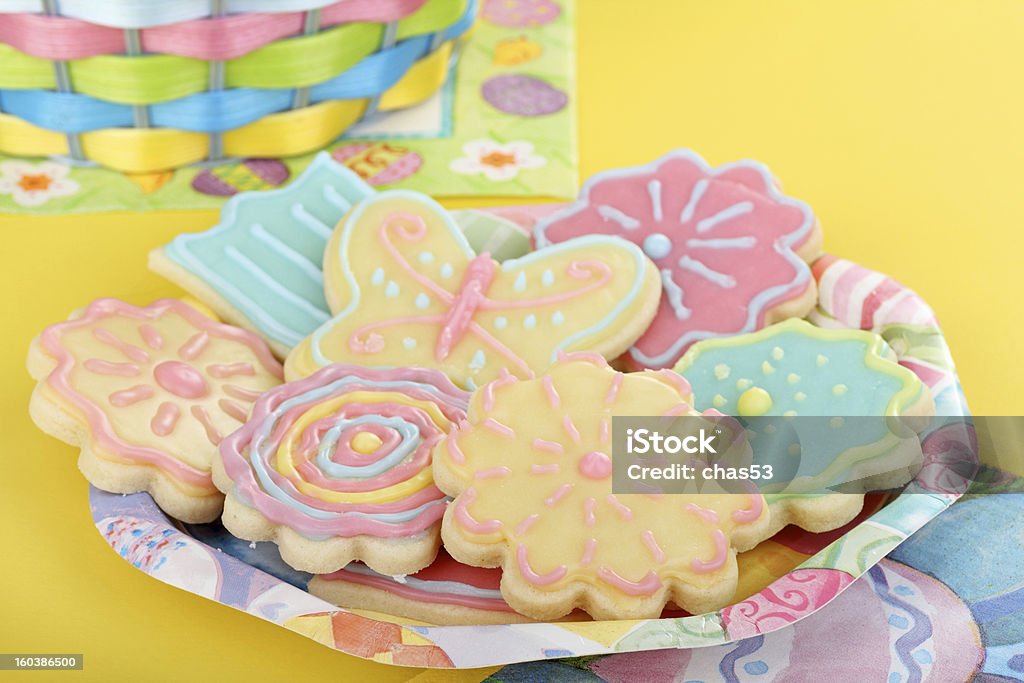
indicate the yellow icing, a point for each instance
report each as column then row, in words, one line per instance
column 754, row 402
column 722, row 371
column 366, row 443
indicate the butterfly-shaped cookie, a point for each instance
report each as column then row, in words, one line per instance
column 406, row 289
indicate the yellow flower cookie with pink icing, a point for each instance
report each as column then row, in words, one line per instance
column 148, row 394
column 531, row 476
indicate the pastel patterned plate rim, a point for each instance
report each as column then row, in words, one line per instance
column 851, row 296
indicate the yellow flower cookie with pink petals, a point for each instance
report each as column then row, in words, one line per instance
column 531, row 476
column 148, row 394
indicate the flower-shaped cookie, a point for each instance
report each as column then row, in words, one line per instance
column 336, row 467
column 732, row 250
column 850, row 377
column 148, row 394
column 531, row 475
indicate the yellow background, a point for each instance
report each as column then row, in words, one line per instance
column 898, row 121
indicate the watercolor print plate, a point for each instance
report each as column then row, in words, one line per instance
column 783, row 580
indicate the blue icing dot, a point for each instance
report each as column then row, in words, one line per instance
column 547, row 278
column 557, row 318
column 898, row 621
column 409, row 343
column 903, row 590
column 530, row 321
column 446, row 271
column 923, row 656
column 378, row 277
column 756, row 668
column 392, row 290
column 478, row 361
column 470, row 384
column 895, row 677
column 426, row 257
column 500, row 323
column 657, row 245
column 520, row 283
column 422, row 300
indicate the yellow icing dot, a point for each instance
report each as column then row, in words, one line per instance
column 778, row 353
column 822, row 359
column 799, row 396
column 794, row 449
column 753, row 402
column 836, row 422
column 789, row 413
column 840, row 389
column 721, row 371
column 767, row 368
column 743, row 383
column 718, row 401
column 792, row 378
column 365, row 443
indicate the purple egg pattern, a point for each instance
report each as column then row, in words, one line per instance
column 523, row 95
column 244, row 176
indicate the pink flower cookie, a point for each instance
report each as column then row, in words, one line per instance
column 731, row 249
column 148, row 394
column 531, row 475
column 337, row 467
column 407, row 290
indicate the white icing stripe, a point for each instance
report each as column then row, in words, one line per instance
column 723, row 243
column 276, row 287
column 726, row 214
column 675, row 295
column 611, row 213
column 333, row 197
column 446, row 587
column 307, row 219
column 827, row 284
column 886, row 308
column 654, row 189
column 289, row 253
column 699, row 188
column 712, row 276
column 859, row 294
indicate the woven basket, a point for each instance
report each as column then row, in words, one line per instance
column 147, row 85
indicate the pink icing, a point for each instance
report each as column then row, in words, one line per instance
column 212, row 434
column 454, row 452
column 588, row 512
column 533, row 577
column 722, row 238
column 613, row 390
column 151, row 336
column 545, row 469
column 706, row 514
column 129, row 350
column 752, row 513
column 472, row 293
column 646, row 586
column 716, row 562
column 180, row 379
column 525, row 525
column 570, row 428
column 586, row 356
column 549, row 390
column 605, row 430
column 624, row 511
column 492, row 473
column 547, row 446
column 127, row 397
column 163, row 422
column 191, row 349
column 225, row 370
column 467, row 520
column 499, row 428
column 595, row 465
column 652, row 545
column 589, row 549
column 560, row 493
column 487, row 392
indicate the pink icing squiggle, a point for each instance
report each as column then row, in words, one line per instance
column 652, row 544
column 595, row 465
column 624, row 511
column 589, row 549
column 471, row 294
column 492, row 473
column 549, row 390
column 166, row 418
column 400, row 220
column 487, row 392
column 533, row 577
column 454, row 452
column 467, row 520
column 525, row 525
column 151, row 336
column 706, row 514
column 677, row 409
column 225, row 370
column 548, row 446
column 560, row 493
column 195, row 345
column 585, row 356
column 106, row 367
column 576, row 270
column 613, row 390
column 605, row 433
column 127, row 397
column 752, row 513
column 718, row 561
column 545, row 469
column 646, row 586
column 676, row 380
column 570, row 428
column 588, row 512
column 130, row 351
column 499, row 428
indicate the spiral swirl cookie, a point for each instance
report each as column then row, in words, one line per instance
column 796, row 369
column 337, row 467
column 531, row 475
column 148, row 394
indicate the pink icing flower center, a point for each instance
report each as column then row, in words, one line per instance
column 595, row 465
column 180, row 379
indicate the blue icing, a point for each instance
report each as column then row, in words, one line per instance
column 409, row 432
column 557, row 318
column 409, row 343
column 478, row 361
column 657, row 245
column 520, row 284
column 500, row 323
column 446, row 271
column 378, row 277
column 264, row 255
column 426, row 257
column 547, row 278
column 530, row 321
column 422, row 300
column 392, row 290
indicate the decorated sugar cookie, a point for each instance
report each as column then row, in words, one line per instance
column 731, row 250
column 337, row 467
column 148, row 394
column 794, row 368
column 531, row 475
column 446, row 592
column 407, row 290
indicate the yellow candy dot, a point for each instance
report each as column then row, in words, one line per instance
column 753, row 402
column 839, row 389
column 743, row 383
column 822, row 359
column 767, row 368
column 721, row 371
column 792, row 378
column 778, row 353
column 718, row 401
column 365, row 443
column 799, row 396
